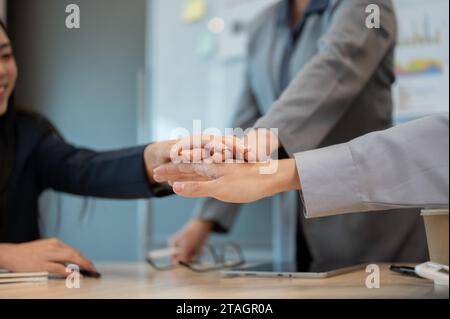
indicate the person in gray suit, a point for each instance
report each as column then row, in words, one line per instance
column 405, row 166
column 321, row 76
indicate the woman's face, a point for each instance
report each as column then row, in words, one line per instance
column 8, row 71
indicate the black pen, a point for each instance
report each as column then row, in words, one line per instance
column 405, row 270
column 90, row 274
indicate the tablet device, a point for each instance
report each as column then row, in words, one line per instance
column 291, row 270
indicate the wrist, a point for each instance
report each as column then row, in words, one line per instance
column 4, row 248
column 286, row 178
column 206, row 224
column 155, row 155
column 149, row 160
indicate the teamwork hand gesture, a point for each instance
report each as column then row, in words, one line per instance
column 255, row 146
column 235, row 183
column 227, row 168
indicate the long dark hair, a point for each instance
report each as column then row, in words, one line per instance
column 7, row 149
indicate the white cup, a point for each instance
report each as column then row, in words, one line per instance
column 436, row 226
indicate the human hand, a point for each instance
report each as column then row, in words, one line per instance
column 256, row 146
column 235, row 183
column 157, row 154
column 46, row 255
column 190, row 240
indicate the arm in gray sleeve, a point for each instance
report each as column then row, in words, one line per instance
column 349, row 55
column 224, row 214
column 406, row 166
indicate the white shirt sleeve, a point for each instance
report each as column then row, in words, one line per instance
column 406, row 166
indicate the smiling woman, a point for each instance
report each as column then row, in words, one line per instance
column 8, row 76
column 8, row 71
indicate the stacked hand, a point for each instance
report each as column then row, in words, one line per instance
column 228, row 168
column 234, row 183
column 256, row 146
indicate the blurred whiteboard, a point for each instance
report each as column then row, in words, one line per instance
column 422, row 58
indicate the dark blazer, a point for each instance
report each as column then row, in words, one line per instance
column 45, row 161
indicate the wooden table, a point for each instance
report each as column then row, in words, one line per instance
column 139, row 280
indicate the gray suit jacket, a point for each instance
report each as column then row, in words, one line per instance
column 341, row 77
column 406, row 166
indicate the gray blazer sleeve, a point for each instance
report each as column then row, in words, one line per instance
column 224, row 214
column 349, row 54
column 406, row 166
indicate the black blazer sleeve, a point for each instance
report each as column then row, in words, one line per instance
column 117, row 174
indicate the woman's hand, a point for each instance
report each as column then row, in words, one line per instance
column 48, row 255
column 190, row 240
column 234, row 183
column 207, row 148
column 256, row 146
column 157, row 154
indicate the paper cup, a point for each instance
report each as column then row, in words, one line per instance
column 436, row 226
